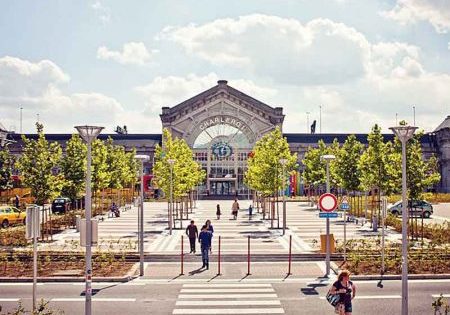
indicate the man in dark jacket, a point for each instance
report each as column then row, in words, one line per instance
column 205, row 241
column 192, row 233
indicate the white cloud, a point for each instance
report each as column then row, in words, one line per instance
column 103, row 12
column 319, row 52
column 37, row 87
column 436, row 12
column 172, row 90
column 132, row 53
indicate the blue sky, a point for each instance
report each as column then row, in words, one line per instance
column 119, row 62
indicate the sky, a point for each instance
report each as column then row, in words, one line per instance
column 114, row 62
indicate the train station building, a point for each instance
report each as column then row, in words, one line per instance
column 222, row 125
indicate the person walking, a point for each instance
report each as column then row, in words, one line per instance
column 235, row 208
column 192, row 233
column 250, row 211
column 218, row 213
column 347, row 292
column 17, row 202
column 205, row 243
column 210, row 228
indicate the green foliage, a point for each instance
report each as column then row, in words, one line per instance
column 420, row 174
column 100, row 175
column 345, row 167
column 73, row 166
column 6, row 166
column 374, row 163
column 186, row 173
column 315, row 167
column 37, row 165
column 117, row 164
column 265, row 172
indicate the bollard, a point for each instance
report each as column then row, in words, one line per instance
column 248, row 257
column 290, row 255
column 182, row 256
column 218, row 260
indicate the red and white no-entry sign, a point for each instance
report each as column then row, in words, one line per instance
column 328, row 202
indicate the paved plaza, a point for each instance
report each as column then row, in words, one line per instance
column 303, row 224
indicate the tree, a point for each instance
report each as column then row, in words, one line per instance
column 73, row 166
column 315, row 168
column 264, row 173
column 116, row 164
column 186, row 173
column 100, row 175
column 420, row 173
column 37, row 166
column 6, row 167
column 346, row 164
column 373, row 164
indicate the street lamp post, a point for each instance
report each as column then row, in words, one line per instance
column 89, row 134
column 171, row 163
column 404, row 133
column 142, row 159
column 283, row 162
column 328, row 158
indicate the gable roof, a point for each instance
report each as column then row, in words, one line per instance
column 445, row 124
column 221, row 85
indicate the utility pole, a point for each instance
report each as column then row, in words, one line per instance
column 21, row 108
column 320, row 118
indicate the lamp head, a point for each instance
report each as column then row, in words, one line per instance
column 142, row 157
column 171, row 161
column 403, row 133
column 327, row 157
column 89, row 133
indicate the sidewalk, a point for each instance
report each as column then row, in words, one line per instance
column 232, row 270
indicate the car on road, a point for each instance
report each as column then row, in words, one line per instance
column 11, row 215
column 61, row 205
column 419, row 208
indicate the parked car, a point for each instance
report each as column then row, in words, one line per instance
column 419, row 208
column 11, row 215
column 61, row 205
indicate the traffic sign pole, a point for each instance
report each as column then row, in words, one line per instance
column 328, row 226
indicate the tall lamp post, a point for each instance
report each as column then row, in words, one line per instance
column 171, row 163
column 142, row 159
column 283, row 163
column 89, row 134
column 404, row 133
column 328, row 158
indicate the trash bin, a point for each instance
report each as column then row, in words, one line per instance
column 374, row 223
column 323, row 243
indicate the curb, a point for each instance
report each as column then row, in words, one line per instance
column 424, row 276
column 131, row 274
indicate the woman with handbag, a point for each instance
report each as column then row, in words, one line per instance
column 346, row 291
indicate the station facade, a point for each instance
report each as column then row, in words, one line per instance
column 222, row 125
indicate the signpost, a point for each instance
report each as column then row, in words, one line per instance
column 345, row 206
column 328, row 203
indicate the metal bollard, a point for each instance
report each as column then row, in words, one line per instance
column 218, row 259
column 182, row 255
column 248, row 258
column 290, row 255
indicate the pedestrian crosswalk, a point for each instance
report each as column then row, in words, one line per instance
column 228, row 298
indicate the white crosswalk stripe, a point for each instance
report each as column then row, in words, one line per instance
column 228, row 298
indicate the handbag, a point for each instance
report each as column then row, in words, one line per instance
column 333, row 299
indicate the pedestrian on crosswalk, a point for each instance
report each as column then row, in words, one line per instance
column 218, row 213
column 192, row 233
column 346, row 291
column 235, row 209
column 210, row 228
column 250, row 211
column 205, row 244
